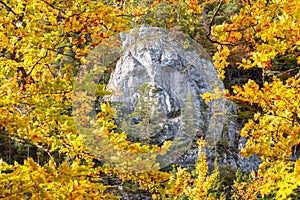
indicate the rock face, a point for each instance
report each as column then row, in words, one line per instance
column 157, row 84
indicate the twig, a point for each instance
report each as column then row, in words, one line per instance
column 191, row 64
column 49, row 4
column 37, row 63
column 21, row 140
column 9, row 8
column 212, row 21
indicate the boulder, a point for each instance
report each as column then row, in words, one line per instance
column 156, row 87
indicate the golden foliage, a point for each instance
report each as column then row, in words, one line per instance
column 42, row 45
column 262, row 31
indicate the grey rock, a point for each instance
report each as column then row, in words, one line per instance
column 168, row 72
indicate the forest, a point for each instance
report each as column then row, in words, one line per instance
column 254, row 44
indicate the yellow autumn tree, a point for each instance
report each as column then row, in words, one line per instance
column 266, row 35
column 42, row 44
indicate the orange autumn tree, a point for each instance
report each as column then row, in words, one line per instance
column 266, row 34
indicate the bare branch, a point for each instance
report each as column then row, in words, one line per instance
column 191, row 64
column 49, row 4
column 37, row 63
column 24, row 141
column 213, row 19
column 8, row 8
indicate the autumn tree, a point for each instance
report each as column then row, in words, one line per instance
column 265, row 35
column 44, row 43
column 42, row 46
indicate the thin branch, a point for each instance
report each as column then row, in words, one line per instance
column 49, row 4
column 229, row 31
column 21, row 112
column 49, row 69
column 53, row 49
column 287, row 71
column 249, row 3
column 8, row 8
column 23, row 141
column 212, row 21
column 64, row 54
column 243, row 28
column 52, row 93
column 32, row 68
column 191, row 64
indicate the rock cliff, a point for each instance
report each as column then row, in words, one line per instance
column 157, row 84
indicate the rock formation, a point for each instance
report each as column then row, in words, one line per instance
column 157, row 84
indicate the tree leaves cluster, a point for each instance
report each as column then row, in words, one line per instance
column 261, row 34
column 43, row 44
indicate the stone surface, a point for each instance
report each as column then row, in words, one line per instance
column 157, row 84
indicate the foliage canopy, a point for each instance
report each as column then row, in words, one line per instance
column 43, row 44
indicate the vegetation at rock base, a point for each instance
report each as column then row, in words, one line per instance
column 44, row 43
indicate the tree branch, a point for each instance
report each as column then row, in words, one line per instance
column 191, row 64
column 212, row 21
column 49, row 4
column 8, row 8
column 37, row 63
column 23, row 141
